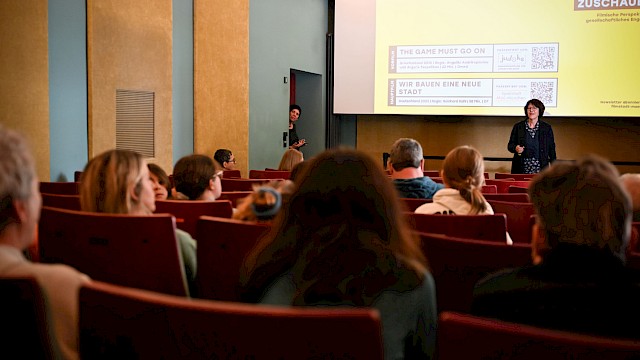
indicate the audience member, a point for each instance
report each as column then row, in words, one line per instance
column 579, row 281
column 290, row 158
column 198, row 177
column 118, row 182
column 297, row 170
column 339, row 240
column 406, row 165
column 631, row 183
column 225, row 158
column 160, row 180
column 20, row 204
column 463, row 177
column 265, row 201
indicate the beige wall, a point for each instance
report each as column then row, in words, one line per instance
column 221, row 78
column 616, row 139
column 129, row 46
column 24, row 72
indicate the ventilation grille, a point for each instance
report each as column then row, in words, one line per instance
column 135, row 122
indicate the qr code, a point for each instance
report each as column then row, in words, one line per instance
column 543, row 58
column 543, row 91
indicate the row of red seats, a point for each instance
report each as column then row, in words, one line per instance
column 456, row 265
column 122, row 322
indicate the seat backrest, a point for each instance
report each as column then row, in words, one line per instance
column 124, row 323
column 241, row 184
column 231, row 174
column 413, row 204
column 481, row 227
column 63, row 188
column 24, row 327
column 223, row 245
column 503, row 185
column 486, row 338
column 633, row 260
column 499, row 175
column 512, row 197
column 457, row 264
column 187, row 212
column 77, row 175
column 518, row 218
column 269, row 174
column 234, row 196
column 136, row 251
column 489, row 189
column 70, row 202
column 517, row 190
column 436, row 173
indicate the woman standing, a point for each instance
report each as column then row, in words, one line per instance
column 531, row 141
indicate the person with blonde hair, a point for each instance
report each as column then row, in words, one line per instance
column 20, row 204
column 463, row 177
column 118, row 182
column 341, row 240
column 290, row 159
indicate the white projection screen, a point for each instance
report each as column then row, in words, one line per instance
column 470, row 57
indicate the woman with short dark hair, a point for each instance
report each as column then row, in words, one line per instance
column 531, row 141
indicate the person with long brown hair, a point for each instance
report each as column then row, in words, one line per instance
column 341, row 239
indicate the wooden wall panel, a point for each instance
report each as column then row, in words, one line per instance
column 24, row 72
column 221, row 78
column 615, row 139
column 129, row 47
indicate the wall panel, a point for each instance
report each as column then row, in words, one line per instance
column 221, row 78
column 129, row 47
column 615, row 139
column 24, row 93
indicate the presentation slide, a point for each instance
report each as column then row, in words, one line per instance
column 469, row 57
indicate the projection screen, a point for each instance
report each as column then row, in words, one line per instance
column 470, row 57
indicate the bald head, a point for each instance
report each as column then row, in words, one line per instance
column 631, row 183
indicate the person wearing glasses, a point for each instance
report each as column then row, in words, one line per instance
column 531, row 141
column 197, row 177
column 225, row 158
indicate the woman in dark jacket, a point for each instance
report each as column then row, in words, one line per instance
column 531, row 141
